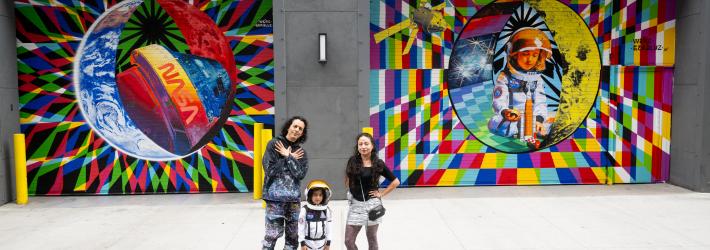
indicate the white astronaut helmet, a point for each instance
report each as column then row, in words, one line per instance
column 317, row 185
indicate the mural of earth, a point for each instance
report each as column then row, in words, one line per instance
column 155, row 79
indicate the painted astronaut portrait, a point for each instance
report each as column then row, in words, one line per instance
column 515, row 83
column 520, row 107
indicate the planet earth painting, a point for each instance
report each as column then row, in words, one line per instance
column 155, row 78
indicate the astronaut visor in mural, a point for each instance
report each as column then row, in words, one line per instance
column 509, row 83
column 155, row 78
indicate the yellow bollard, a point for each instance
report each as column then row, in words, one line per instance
column 265, row 138
column 368, row 130
column 20, row 169
column 258, row 153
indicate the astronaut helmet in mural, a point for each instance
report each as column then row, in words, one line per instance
column 318, row 188
column 528, row 49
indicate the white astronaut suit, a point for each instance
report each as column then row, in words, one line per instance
column 314, row 221
column 511, row 90
column 519, row 82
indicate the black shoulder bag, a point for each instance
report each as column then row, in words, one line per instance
column 377, row 211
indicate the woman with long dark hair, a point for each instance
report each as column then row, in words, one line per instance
column 362, row 179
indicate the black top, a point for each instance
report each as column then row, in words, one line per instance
column 367, row 180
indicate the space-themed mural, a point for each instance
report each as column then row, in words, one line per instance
column 522, row 92
column 143, row 96
column 160, row 96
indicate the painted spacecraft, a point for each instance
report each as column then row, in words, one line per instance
column 178, row 100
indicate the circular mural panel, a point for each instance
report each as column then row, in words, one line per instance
column 155, row 78
column 523, row 77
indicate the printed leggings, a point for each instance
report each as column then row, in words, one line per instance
column 280, row 216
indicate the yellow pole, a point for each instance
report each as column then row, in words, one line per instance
column 20, row 169
column 265, row 138
column 258, row 153
column 368, row 130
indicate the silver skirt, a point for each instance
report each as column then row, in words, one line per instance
column 357, row 211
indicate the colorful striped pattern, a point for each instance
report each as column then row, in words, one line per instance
column 636, row 109
column 625, row 136
column 640, row 33
column 66, row 157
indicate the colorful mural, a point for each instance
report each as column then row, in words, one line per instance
column 522, row 92
column 143, row 96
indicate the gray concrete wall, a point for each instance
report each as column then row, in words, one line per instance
column 9, row 115
column 690, row 137
column 333, row 97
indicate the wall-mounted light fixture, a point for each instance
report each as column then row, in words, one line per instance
column 321, row 48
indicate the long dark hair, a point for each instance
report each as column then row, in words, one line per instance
column 287, row 124
column 355, row 164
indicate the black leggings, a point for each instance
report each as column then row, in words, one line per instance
column 351, row 232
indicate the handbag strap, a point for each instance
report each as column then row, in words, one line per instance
column 363, row 192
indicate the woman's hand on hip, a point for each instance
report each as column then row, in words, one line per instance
column 376, row 194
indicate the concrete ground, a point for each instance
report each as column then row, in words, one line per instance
column 649, row 216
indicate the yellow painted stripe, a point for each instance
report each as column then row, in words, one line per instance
column 558, row 159
column 379, row 36
column 489, row 161
column 528, row 176
column 449, row 177
column 593, row 146
column 599, row 173
column 666, row 127
column 80, row 188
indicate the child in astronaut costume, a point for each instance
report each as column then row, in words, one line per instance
column 314, row 221
column 520, row 87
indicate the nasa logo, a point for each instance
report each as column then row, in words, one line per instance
column 172, row 76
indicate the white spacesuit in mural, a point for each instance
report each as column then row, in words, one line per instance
column 511, row 92
column 519, row 101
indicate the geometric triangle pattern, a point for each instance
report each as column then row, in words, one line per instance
column 65, row 156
